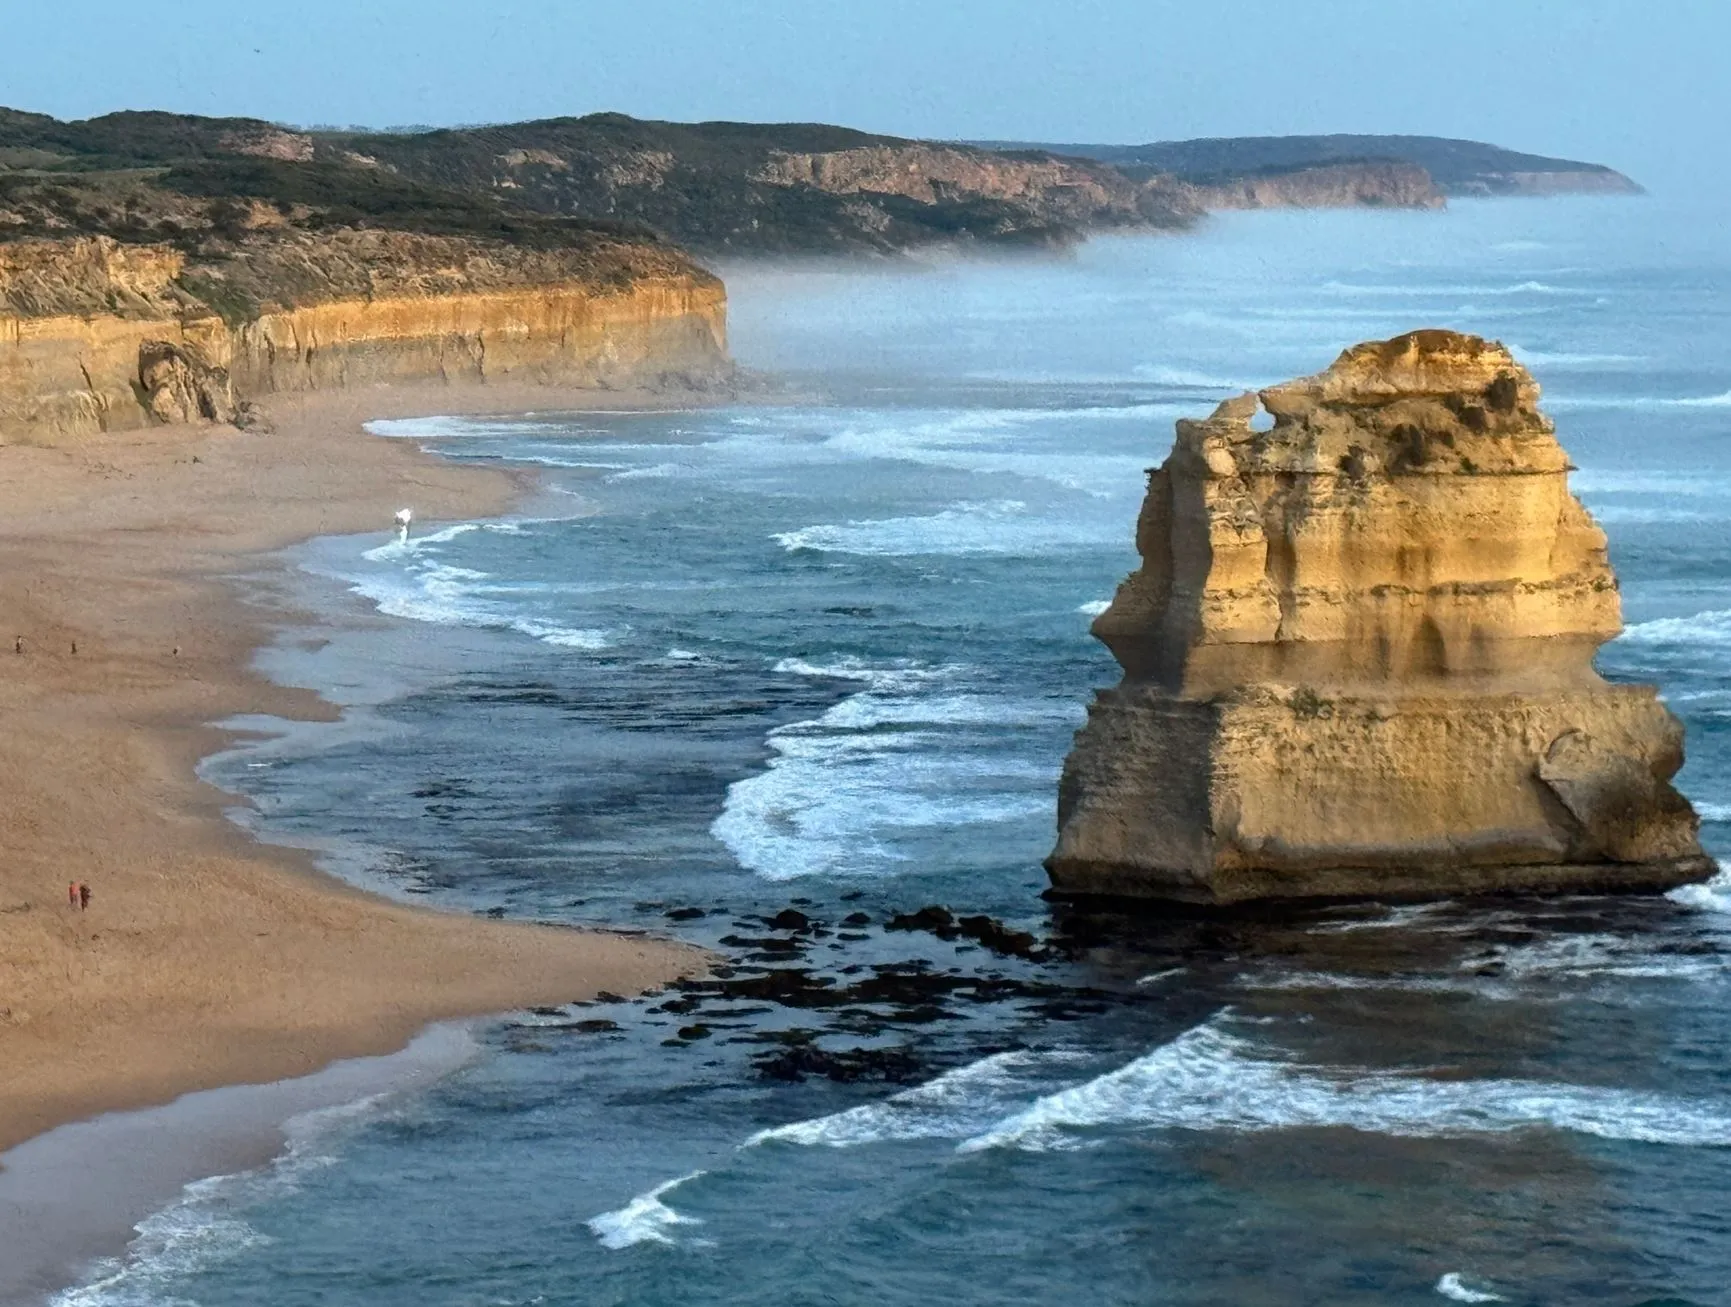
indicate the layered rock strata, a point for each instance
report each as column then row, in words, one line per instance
column 100, row 336
column 1358, row 658
column 1369, row 183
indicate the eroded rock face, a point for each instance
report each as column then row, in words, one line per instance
column 99, row 336
column 1358, row 658
column 176, row 384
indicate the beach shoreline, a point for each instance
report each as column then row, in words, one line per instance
column 206, row 958
column 92, row 1202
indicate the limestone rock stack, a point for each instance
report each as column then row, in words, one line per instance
column 1358, row 658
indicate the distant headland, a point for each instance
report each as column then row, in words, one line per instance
column 167, row 268
column 718, row 188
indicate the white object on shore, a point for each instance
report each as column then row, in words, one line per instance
column 404, row 517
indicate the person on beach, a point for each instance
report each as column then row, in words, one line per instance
column 83, row 896
column 71, row 893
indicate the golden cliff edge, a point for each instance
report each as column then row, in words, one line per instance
column 100, row 336
column 1358, row 658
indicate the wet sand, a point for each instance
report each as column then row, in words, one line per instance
column 205, row 958
column 81, row 1191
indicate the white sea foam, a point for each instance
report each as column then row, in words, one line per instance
column 443, row 595
column 206, row 1225
column 1017, row 442
column 1000, row 527
column 645, row 1219
column 1713, row 627
column 565, row 637
column 1714, row 811
column 655, row 472
column 1721, row 400
column 1388, row 917
column 1455, row 1287
column 1210, row 1080
column 421, row 588
column 954, row 1105
column 1094, row 607
column 443, row 428
column 843, row 789
column 1580, row 957
column 849, row 667
column 1709, row 896
column 1511, row 972
column 1419, row 984
column 1519, row 288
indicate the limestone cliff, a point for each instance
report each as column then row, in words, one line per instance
column 1358, row 658
column 1076, row 192
column 1371, row 183
column 98, row 336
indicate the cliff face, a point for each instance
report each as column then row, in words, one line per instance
column 1369, row 184
column 1072, row 191
column 98, row 336
column 764, row 188
column 1358, row 658
column 800, row 188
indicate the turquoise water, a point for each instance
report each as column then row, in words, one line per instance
column 826, row 656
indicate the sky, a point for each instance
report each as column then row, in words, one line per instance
column 1637, row 84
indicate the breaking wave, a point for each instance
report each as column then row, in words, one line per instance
column 910, row 753
column 1713, row 627
column 207, row 1225
column 1454, row 1287
column 1001, row 527
column 1709, row 896
column 1208, row 1079
column 954, row 1105
column 645, row 1219
column 415, row 584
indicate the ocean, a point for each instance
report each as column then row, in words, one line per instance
column 776, row 676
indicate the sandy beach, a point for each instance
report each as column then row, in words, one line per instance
column 206, row 959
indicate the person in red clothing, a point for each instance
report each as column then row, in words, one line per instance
column 72, row 893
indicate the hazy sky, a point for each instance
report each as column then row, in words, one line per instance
column 1638, row 84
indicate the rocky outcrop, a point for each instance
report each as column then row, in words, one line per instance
column 1358, row 658
column 99, row 336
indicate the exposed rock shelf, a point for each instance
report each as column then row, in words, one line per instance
column 1358, row 658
